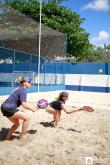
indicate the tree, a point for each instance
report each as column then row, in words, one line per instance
column 61, row 19
column 108, row 48
column 100, row 54
column 55, row 1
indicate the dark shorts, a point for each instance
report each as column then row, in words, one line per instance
column 8, row 112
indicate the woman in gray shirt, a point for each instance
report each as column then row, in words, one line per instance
column 10, row 108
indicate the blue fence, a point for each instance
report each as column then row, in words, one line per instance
column 60, row 68
column 77, row 68
column 52, row 72
column 11, row 61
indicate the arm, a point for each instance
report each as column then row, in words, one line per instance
column 28, row 106
column 23, row 95
column 68, row 112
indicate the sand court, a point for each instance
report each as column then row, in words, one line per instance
column 80, row 138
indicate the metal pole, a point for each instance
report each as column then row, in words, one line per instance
column 14, row 56
column 39, row 45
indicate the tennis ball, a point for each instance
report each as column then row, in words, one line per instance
column 100, row 70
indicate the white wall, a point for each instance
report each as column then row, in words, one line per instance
column 87, row 80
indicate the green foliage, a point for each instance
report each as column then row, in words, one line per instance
column 101, row 54
column 61, row 19
column 56, row 1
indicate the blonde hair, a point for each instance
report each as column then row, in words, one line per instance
column 20, row 79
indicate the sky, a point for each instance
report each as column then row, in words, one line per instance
column 97, row 18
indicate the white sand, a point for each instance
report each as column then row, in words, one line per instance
column 78, row 135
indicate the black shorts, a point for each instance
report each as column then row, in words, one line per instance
column 8, row 112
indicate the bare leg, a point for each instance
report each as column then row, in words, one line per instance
column 53, row 119
column 59, row 114
column 13, row 128
column 23, row 116
column 57, row 118
column 54, row 113
column 24, row 129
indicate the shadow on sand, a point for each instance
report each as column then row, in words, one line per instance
column 31, row 131
column 4, row 132
column 50, row 124
column 74, row 130
column 47, row 124
column 71, row 129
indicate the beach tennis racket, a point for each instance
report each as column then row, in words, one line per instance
column 42, row 103
column 87, row 109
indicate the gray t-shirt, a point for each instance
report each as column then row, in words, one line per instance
column 16, row 98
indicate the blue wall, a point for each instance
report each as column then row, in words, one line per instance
column 61, row 68
column 44, row 88
column 27, row 62
column 77, row 68
column 88, row 88
column 21, row 61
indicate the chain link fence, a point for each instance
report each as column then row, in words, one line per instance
column 19, row 49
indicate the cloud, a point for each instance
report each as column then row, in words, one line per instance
column 102, row 37
column 98, row 5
